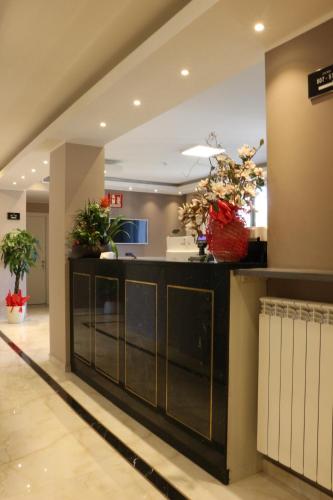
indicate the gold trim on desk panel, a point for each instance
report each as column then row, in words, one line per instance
column 99, row 370
column 87, row 361
column 212, row 293
column 126, row 386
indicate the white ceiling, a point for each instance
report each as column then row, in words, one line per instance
column 215, row 40
column 235, row 110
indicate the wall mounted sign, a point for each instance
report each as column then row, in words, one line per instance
column 320, row 82
column 13, row 215
column 116, row 200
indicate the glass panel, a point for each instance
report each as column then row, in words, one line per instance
column 107, row 326
column 189, row 357
column 140, row 337
column 82, row 316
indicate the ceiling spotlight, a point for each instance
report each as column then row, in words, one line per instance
column 105, row 171
column 130, row 188
column 136, row 102
column 180, row 192
column 14, row 183
column 22, row 176
column 33, row 170
column 184, row 72
column 258, row 27
column 45, row 162
column 202, row 151
column 102, row 124
column 155, row 190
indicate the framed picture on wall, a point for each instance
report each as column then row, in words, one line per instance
column 116, row 200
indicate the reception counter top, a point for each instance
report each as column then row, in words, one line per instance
column 154, row 337
column 288, row 274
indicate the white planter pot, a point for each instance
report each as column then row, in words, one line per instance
column 14, row 315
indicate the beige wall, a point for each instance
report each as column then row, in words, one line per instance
column 10, row 201
column 77, row 174
column 162, row 214
column 300, row 172
column 41, row 208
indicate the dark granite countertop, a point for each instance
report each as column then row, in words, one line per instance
column 288, row 274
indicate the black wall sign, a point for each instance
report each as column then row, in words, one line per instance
column 320, row 82
column 13, row 215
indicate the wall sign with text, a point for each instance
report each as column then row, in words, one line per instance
column 116, row 200
column 13, row 216
column 320, row 82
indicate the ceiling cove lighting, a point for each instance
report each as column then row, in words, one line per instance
column 259, row 27
column 202, row 151
column 102, row 124
column 137, row 102
column 184, row 72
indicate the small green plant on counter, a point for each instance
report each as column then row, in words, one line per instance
column 19, row 253
column 93, row 227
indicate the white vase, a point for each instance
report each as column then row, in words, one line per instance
column 15, row 315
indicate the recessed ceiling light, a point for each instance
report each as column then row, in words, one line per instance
column 184, row 72
column 45, row 162
column 33, row 170
column 14, row 183
column 130, row 188
column 259, row 27
column 180, row 192
column 155, row 190
column 102, row 124
column 202, row 151
column 105, row 171
column 137, row 102
column 22, row 176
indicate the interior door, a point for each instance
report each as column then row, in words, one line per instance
column 36, row 280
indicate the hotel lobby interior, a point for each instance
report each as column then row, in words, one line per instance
column 166, row 262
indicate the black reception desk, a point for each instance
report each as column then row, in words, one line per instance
column 153, row 337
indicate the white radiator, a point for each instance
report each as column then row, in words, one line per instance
column 295, row 387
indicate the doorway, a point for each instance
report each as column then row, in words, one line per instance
column 37, row 279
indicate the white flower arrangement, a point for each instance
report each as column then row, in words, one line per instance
column 233, row 183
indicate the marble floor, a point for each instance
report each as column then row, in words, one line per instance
column 48, row 452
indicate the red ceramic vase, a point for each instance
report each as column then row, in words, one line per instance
column 227, row 242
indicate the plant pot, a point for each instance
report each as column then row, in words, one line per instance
column 227, row 242
column 86, row 251
column 16, row 314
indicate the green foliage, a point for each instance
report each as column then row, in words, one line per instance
column 19, row 253
column 93, row 227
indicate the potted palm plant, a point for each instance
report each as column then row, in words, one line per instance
column 18, row 251
column 93, row 231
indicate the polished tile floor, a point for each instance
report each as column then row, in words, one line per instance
column 48, row 452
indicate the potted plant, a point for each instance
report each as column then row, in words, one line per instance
column 221, row 199
column 94, row 231
column 19, row 253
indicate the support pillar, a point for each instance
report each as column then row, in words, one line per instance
column 76, row 175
